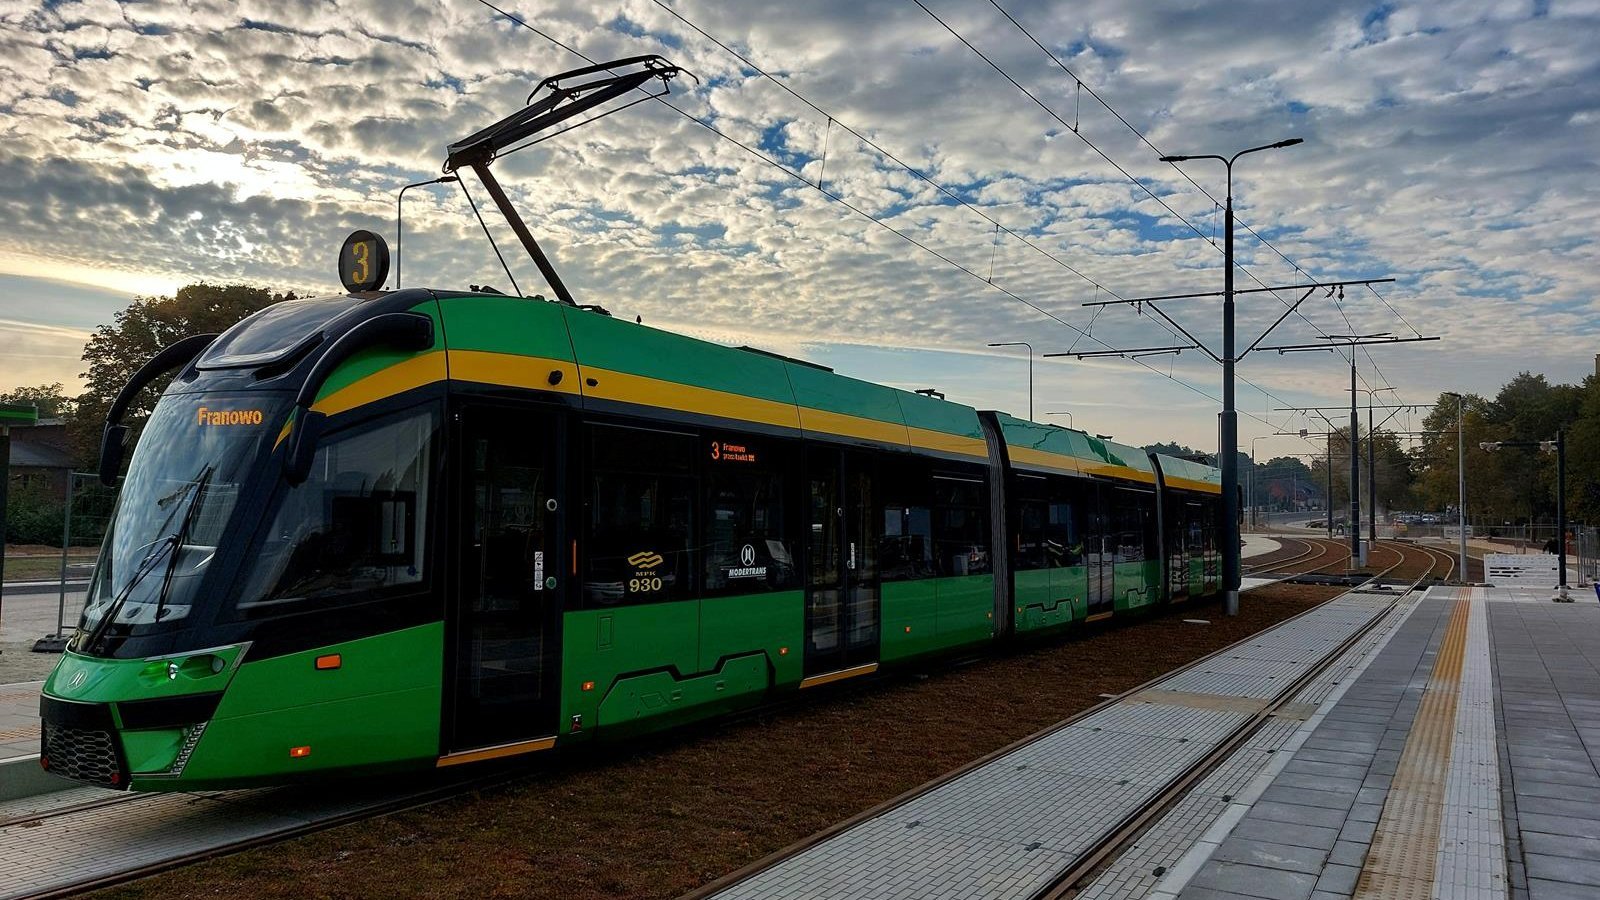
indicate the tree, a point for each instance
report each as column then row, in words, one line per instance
column 116, row 351
column 51, row 399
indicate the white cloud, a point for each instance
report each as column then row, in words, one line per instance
column 1449, row 144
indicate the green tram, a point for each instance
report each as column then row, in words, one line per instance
column 410, row 529
column 399, row 530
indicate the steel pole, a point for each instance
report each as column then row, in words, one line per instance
column 1461, row 478
column 1561, row 506
column 1230, row 423
column 66, row 542
column 1356, row 558
column 1250, row 488
column 1330, row 485
column 1372, row 479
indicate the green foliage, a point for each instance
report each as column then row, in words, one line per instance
column 1515, row 485
column 33, row 516
column 51, row 399
column 116, row 351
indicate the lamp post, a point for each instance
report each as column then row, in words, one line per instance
column 1229, row 444
column 1461, row 484
column 399, row 221
column 1030, row 369
column 1063, row 413
column 1250, row 482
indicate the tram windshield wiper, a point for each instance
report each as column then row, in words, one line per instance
column 201, row 484
column 169, row 547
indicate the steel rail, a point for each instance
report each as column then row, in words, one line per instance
column 1136, row 823
column 1309, row 549
column 751, row 869
column 39, row 817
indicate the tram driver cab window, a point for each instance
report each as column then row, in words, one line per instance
column 357, row 523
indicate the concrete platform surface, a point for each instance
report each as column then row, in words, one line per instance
column 1464, row 762
column 19, row 719
column 1014, row 825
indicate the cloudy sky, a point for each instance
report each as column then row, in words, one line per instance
column 1450, row 145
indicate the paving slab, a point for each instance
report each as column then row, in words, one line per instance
column 1011, row 827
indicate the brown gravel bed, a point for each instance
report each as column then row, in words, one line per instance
column 655, row 821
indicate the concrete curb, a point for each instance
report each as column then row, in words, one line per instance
column 20, row 776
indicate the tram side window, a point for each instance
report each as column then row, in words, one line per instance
column 960, row 525
column 1064, row 525
column 1130, row 526
column 1033, row 514
column 640, row 499
column 1195, row 537
column 906, row 551
column 1209, row 520
column 749, row 538
column 356, row 525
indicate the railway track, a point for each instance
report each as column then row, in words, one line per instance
column 1090, row 862
column 1313, row 556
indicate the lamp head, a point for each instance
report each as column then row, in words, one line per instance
column 1173, row 159
column 1288, row 143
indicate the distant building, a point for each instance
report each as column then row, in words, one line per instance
column 41, row 458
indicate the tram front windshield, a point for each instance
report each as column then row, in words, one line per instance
column 175, row 505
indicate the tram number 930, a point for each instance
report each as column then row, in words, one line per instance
column 647, row 585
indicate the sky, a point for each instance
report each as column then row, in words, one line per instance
column 935, row 182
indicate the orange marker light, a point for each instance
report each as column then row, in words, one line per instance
column 908, row 629
column 297, row 752
column 783, row 651
column 331, row 661
column 588, row 685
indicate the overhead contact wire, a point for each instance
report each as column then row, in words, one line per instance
column 869, row 217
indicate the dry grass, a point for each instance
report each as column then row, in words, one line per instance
column 654, row 821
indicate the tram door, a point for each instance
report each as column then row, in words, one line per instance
column 1099, row 552
column 842, row 575
column 505, row 627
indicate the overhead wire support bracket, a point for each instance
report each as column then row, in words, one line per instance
column 1131, row 351
column 1278, row 287
column 480, row 149
column 1334, row 345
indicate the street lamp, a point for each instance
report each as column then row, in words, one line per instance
column 399, row 221
column 1063, row 413
column 1030, row 369
column 1250, row 482
column 1229, row 449
column 1461, row 483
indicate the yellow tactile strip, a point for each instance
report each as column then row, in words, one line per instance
column 1400, row 864
column 17, row 734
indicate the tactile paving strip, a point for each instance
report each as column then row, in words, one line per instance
column 1011, row 827
column 1471, row 860
column 1404, row 846
column 1152, row 857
